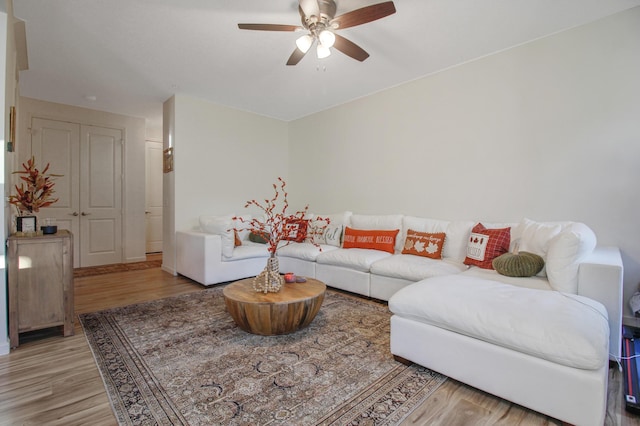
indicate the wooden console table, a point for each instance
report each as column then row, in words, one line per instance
column 40, row 272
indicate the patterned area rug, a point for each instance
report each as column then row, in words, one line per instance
column 182, row 360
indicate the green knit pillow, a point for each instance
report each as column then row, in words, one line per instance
column 258, row 237
column 521, row 264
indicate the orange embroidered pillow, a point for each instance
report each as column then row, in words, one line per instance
column 296, row 230
column 486, row 244
column 375, row 239
column 424, row 244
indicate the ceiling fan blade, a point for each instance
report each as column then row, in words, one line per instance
column 364, row 15
column 310, row 7
column 296, row 57
column 269, row 27
column 349, row 48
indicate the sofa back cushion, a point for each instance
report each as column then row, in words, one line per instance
column 423, row 224
column 215, row 224
column 379, row 222
column 535, row 237
column 455, row 246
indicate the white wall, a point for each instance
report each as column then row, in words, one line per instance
column 168, row 191
column 549, row 130
column 6, row 63
column 134, row 179
column 222, row 157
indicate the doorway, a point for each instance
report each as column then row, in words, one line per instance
column 153, row 196
column 89, row 160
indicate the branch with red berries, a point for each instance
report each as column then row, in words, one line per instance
column 272, row 227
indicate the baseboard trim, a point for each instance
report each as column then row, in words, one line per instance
column 170, row 270
column 5, row 348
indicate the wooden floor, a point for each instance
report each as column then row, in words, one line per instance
column 53, row 380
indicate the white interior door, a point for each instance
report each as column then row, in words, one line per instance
column 100, row 195
column 153, row 196
column 89, row 158
column 58, row 143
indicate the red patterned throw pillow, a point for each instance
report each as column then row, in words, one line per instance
column 375, row 239
column 486, row 244
column 424, row 244
column 296, row 230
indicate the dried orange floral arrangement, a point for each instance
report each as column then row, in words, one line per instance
column 36, row 191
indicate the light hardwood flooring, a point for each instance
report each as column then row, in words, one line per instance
column 53, row 380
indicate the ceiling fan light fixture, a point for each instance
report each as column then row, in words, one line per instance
column 304, row 43
column 323, row 51
column 327, row 38
column 319, row 20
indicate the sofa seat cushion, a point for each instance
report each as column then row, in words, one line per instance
column 565, row 329
column 304, row 251
column 415, row 268
column 536, row 282
column 248, row 250
column 354, row 258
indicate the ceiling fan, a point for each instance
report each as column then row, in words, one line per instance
column 318, row 18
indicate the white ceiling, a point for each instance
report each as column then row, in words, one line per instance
column 132, row 55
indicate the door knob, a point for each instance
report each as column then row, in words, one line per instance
column 85, row 214
column 74, row 214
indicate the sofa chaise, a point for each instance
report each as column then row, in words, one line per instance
column 542, row 341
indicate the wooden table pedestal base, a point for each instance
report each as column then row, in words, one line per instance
column 286, row 311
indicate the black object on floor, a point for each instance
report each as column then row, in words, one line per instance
column 631, row 367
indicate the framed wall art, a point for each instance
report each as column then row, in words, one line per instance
column 167, row 160
column 26, row 224
column 11, row 143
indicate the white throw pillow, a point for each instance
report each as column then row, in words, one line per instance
column 333, row 235
column 223, row 226
column 566, row 251
column 332, row 232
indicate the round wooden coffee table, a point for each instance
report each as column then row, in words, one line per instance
column 286, row 311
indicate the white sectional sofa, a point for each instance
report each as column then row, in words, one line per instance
column 543, row 341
